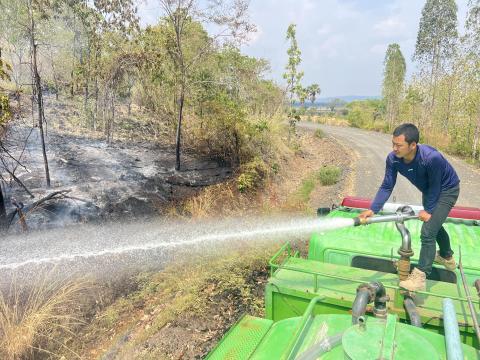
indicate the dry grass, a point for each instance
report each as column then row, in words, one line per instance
column 328, row 120
column 30, row 318
column 209, row 200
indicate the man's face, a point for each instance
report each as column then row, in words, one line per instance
column 401, row 148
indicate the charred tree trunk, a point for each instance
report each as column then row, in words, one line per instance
column 38, row 90
column 3, row 212
column 179, row 127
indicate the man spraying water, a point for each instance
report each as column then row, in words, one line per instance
column 432, row 174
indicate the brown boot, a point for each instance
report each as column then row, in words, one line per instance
column 415, row 281
column 449, row 264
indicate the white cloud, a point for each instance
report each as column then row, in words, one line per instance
column 391, row 26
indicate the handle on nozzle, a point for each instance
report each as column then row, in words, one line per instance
column 403, row 213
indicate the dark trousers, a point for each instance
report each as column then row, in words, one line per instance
column 433, row 230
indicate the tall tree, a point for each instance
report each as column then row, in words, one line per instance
column 436, row 40
column 230, row 16
column 472, row 73
column 292, row 74
column 393, row 81
column 312, row 91
column 35, row 9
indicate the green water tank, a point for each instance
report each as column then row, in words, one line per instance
column 299, row 338
column 388, row 339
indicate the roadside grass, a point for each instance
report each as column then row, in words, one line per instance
column 326, row 176
column 220, row 286
column 319, row 133
column 329, row 120
column 32, row 319
column 329, row 175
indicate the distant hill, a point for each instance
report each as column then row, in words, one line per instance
column 346, row 99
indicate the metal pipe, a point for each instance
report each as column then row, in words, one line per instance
column 366, row 293
column 322, row 347
column 406, row 238
column 467, row 293
column 380, row 302
column 383, row 218
column 412, row 312
column 452, row 333
column 360, row 303
column 405, row 252
column 403, row 213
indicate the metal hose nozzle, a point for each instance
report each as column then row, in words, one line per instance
column 403, row 213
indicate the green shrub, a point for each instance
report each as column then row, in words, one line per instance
column 329, row 175
column 306, row 188
column 253, row 175
column 319, row 134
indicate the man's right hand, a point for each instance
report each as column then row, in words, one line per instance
column 366, row 214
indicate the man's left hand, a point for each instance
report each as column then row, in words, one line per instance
column 424, row 216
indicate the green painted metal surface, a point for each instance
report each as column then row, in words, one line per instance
column 242, row 339
column 291, row 338
column 307, row 300
column 296, row 281
column 383, row 240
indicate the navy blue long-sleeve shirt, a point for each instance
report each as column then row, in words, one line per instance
column 429, row 171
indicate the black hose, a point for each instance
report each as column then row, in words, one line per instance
column 412, row 312
column 359, row 306
column 380, row 304
column 320, row 348
column 365, row 294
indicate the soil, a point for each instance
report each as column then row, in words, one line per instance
column 107, row 181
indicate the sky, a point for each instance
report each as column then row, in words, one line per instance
column 343, row 42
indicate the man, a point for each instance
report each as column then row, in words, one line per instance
column 432, row 174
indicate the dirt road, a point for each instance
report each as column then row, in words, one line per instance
column 370, row 149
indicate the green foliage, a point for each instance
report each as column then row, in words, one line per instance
column 312, row 92
column 366, row 114
column 292, row 74
column 437, row 34
column 393, row 82
column 329, row 175
column 319, row 133
column 335, row 103
column 306, row 188
column 5, row 113
column 253, row 175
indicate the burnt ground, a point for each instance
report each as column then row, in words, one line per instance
column 107, row 181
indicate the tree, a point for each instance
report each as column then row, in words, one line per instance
column 5, row 69
column 335, row 103
column 312, row 91
column 472, row 73
column 436, row 40
column 230, row 17
column 292, row 74
column 393, row 82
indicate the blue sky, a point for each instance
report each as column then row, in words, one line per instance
column 343, row 42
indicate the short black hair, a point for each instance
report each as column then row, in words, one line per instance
column 408, row 130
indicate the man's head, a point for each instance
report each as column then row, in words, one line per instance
column 405, row 140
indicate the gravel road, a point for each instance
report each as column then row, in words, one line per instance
column 370, row 150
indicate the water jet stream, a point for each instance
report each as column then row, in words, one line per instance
column 113, row 246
